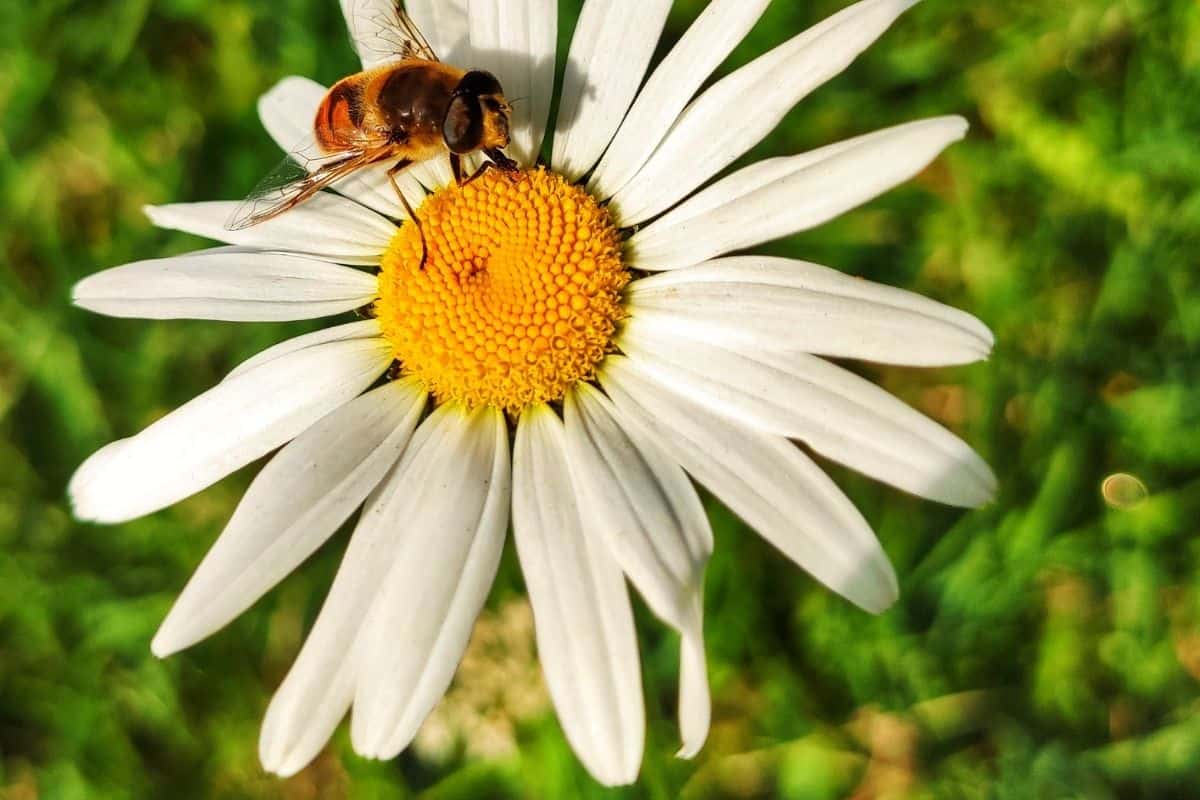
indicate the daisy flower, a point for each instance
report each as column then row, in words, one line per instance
column 577, row 349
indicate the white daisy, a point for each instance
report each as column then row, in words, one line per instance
column 594, row 322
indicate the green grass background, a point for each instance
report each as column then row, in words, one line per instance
column 1046, row 646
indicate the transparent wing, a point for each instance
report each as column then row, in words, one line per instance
column 297, row 178
column 382, row 31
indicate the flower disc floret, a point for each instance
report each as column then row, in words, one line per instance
column 519, row 295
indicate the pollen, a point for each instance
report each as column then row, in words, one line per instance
column 519, row 296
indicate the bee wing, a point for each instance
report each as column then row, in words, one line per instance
column 297, row 178
column 382, row 31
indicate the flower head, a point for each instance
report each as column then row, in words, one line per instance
column 582, row 310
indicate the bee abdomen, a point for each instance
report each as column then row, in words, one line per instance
column 339, row 118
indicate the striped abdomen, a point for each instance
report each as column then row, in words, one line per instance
column 400, row 104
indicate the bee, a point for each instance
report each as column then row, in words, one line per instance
column 408, row 108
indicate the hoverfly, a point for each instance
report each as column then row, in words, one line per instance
column 408, row 109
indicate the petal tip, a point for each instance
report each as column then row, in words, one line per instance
column 969, row 482
column 883, row 606
column 91, row 491
column 959, row 125
column 80, row 291
column 284, row 83
column 161, row 647
column 85, row 506
column 281, row 768
column 881, row 589
column 158, row 215
column 82, row 513
column 369, row 735
column 990, row 485
column 279, row 756
column 170, row 638
column 617, row 779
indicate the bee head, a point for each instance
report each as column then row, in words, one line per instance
column 478, row 115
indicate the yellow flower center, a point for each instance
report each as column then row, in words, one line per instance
column 519, row 296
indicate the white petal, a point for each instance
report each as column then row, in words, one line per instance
column 327, row 226
column 288, row 112
column 320, row 686
column 363, row 23
column 444, row 23
column 451, row 527
column 372, row 24
column 517, row 41
column 695, row 704
column 736, row 113
column 610, row 51
column 767, row 481
column 835, row 412
column 318, row 689
column 675, row 81
column 362, row 329
column 783, row 196
column 792, row 306
column 224, row 429
column 581, row 612
column 642, row 505
column 293, row 506
column 224, row 284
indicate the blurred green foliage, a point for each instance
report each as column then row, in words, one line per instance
column 1046, row 646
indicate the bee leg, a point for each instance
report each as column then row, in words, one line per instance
column 456, row 168
column 399, row 167
column 479, row 173
column 502, row 161
column 412, row 216
column 498, row 161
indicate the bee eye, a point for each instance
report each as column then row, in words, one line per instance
column 463, row 127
